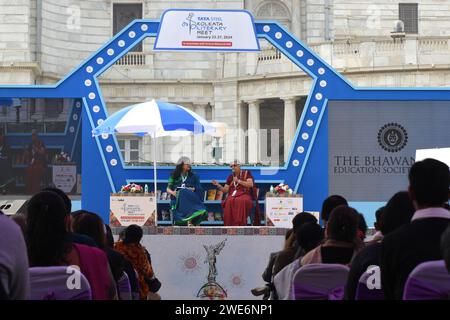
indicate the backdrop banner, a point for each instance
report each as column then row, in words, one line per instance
column 217, row 30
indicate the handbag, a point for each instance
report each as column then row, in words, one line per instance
column 153, row 284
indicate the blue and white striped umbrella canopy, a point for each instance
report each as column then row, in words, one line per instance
column 155, row 118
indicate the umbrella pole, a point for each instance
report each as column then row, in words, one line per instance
column 155, row 179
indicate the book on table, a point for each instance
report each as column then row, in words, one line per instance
column 211, row 194
column 219, row 195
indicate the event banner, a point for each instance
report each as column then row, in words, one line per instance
column 281, row 210
column 126, row 210
column 200, row 30
column 64, row 176
column 372, row 144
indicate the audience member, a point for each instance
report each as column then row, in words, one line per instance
column 268, row 289
column 49, row 245
column 419, row 241
column 128, row 267
column 90, row 224
column 132, row 250
column 74, row 237
column 309, row 235
column 397, row 212
column 288, row 242
column 329, row 204
column 288, row 255
column 14, row 279
column 341, row 242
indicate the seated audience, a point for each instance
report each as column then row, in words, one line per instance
column 397, row 212
column 446, row 247
column 49, row 245
column 288, row 243
column 329, row 204
column 419, row 241
column 74, row 237
column 293, row 252
column 14, row 280
column 309, row 236
column 268, row 289
column 128, row 267
column 91, row 225
column 134, row 252
column 341, row 242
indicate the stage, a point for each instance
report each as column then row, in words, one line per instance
column 183, row 259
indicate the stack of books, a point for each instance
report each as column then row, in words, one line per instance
column 213, row 194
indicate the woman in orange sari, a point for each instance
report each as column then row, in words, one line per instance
column 134, row 252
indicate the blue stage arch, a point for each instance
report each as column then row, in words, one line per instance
column 306, row 169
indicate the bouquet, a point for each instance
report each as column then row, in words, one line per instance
column 62, row 157
column 281, row 189
column 132, row 188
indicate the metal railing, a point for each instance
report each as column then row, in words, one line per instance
column 132, row 59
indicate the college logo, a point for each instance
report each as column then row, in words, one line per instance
column 392, row 137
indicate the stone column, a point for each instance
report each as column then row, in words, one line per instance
column 290, row 124
column 254, row 126
column 198, row 150
column 296, row 19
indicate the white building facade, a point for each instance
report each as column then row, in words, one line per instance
column 43, row 40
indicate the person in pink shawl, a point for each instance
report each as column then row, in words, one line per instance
column 49, row 244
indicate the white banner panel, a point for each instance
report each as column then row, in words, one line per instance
column 64, row 176
column 218, row 267
column 441, row 154
column 281, row 210
column 206, row 30
column 133, row 209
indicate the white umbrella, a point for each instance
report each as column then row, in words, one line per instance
column 156, row 119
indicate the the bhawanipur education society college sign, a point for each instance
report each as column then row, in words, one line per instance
column 206, row 30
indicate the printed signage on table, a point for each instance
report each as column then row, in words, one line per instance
column 128, row 210
column 281, row 210
column 200, row 30
column 64, row 177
